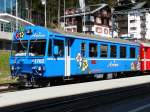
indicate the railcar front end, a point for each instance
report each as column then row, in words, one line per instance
column 27, row 59
column 40, row 56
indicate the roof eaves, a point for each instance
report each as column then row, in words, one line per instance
column 139, row 5
column 102, row 6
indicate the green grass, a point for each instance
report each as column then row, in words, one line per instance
column 4, row 68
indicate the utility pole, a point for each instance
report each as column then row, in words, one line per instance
column 16, row 14
column 44, row 3
column 112, row 19
column 84, row 21
column 58, row 13
column 64, row 14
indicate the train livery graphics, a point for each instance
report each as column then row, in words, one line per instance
column 145, row 56
column 20, row 33
column 49, row 55
column 83, row 63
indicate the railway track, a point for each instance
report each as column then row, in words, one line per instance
column 10, row 87
column 83, row 102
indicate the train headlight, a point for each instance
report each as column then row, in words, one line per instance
column 39, row 68
column 33, row 68
column 12, row 68
column 18, row 68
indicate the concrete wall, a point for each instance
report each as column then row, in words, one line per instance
column 5, row 40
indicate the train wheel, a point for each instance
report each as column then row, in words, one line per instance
column 115, row 75
column 41, row 82
column 105, row 76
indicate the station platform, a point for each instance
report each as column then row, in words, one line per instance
column 27, row 96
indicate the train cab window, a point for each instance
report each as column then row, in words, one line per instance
column 132, row 52
column 103, row 51
column 92, row 50
column 83, row 47
column 122, row 52
column 19, row 48
column 113, row 51
column 50, row 48
column 37, row 47
column 59, row 45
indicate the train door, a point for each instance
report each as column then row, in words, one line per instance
column 144, row 58
column 56, row 61
column 67, row 57
column 147, row 58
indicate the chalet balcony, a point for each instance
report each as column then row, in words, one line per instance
column 143, row 24
column 143, row 18
column 88, row 18
column 143, row 32
column 88, row 28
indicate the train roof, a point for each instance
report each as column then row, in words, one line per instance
column 44, row 32
column 91, row 37
column 146, row 44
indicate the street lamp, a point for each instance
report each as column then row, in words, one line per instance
column 64, row 14
column 58, row 13
column 44, row 3
column 83, row 8
column 112, row 19
column 16, row 14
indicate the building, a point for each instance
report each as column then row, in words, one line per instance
column 96, row 19
column 122, row 19
column 139, row 22
column 11, row 19
column 134, row 22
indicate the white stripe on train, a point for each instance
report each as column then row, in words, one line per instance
column 95, row 59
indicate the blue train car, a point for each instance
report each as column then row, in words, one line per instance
column 39, row 54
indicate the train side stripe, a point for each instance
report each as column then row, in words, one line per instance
column 95, row 59
column 145, row 59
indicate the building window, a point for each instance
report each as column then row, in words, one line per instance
column 133, row 28
column 1, row 45
column 59, row 45
column 92, row 50
column 2, row 27
column 132, row 52
column 98, row 20
column 103, row 51
column 74, row 22
column 132, row 21
column 8, row 45
column 122, row 52
column 113, row 51
column 132, row 14
column 132, row 35
column 99, row 29
column 106, row 22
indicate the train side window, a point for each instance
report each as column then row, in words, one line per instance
column 59, row 44
column 50, row 48
column 113, row 51
column 83, row 48
column 132, row 52
column 122, row 52
column 103, row 51
column 92, row 50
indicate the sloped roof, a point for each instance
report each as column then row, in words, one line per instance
column 139, row 5
column 9, row 17
column 91, row 9
column 131, row 6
